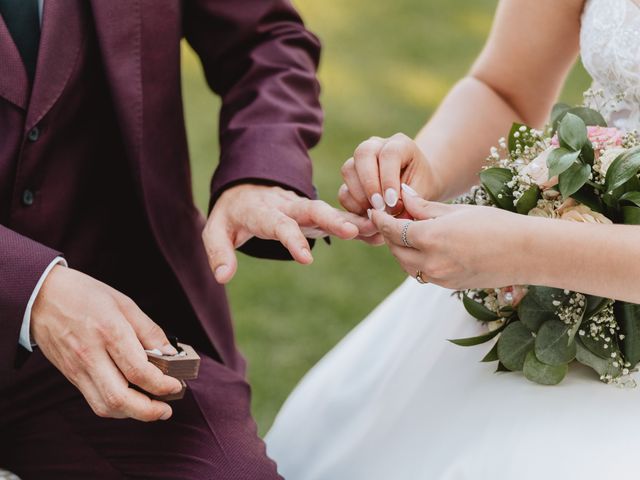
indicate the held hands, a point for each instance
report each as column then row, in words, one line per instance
column 96, row 337
column 272, row 213
column 457, row 246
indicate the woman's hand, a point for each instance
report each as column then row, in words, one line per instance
column 459, row 246
column 372, row 177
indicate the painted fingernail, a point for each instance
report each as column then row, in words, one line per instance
column 306, row 254
column 377, row 201
column 166, row 415
column 178, row 388
column 168, row 349
column 409, row 191
column 221, row 271
column 370, row 213
column 391, row 197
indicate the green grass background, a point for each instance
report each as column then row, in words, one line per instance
column 385, row 67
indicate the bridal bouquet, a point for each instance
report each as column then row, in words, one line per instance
column 578, row 169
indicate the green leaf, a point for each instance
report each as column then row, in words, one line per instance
column 631, row 215
column 495, row 180
column 537, row 306
column 471, row 341
column 628, row 317
column 514, row 344
column 602, row 366
column 541, row 373
column 519, row 138
column 478, row 310
column 560, row 159
column 622, row 169
column 595, row 305
column 558, row 112
column 553, row 345
column 587, row 197
column 632, row 197
column 589, row 116
column 492, row 356
column 528, row 200
column 502, row 368
column 572, row 132
column 573, row 179
column 587, row 154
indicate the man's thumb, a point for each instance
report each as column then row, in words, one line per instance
column 221, row 252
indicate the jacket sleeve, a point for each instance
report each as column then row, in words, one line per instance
column 258, row 56
column 22, row 262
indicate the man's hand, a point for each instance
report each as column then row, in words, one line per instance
column 272, row 213
column 96, row 337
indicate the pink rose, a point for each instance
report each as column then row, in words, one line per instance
column 599, row 136
column 538, row 171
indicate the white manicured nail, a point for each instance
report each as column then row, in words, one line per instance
column 377, row 201
column 154, row 351
column 391, row 197
column 409, row 191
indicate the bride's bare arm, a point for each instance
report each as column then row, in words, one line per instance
column 518, row 76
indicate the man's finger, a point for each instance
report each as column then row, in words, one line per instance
column 130, row 358
column 218, row 242
column 376, row 240
column 146, row 331
column 366, row 163
column 320, row 214
column 119, row 401
column 287, row 231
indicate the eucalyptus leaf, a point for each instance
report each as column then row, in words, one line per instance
column 553, row 345
column 560, row 159
column 572, row 132
column 480, row 339
column 478, row 310
column 528, row 200
column 622, row 169
column 514, row 344
column 540, row 372
column 537, row 306
column 628, row 317
column 595, row 305
column 631, row 215
column 492, row 355
column 501, row 368
column 602, row 366
column 495, row 180
column 573, row 179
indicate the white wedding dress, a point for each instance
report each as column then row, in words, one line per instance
column 396, row 401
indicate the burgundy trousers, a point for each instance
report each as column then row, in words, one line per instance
column 51, row 433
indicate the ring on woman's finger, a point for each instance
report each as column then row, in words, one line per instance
column 405, row 234
column 420, row 279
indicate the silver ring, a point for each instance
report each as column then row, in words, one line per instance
column 405, row 234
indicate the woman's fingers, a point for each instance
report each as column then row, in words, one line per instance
column 391, row 228
column 353, row 187
column 394, row 156
column 366, row 164
column 349, row 202
column 422, row 209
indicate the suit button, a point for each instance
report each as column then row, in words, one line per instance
column 34, row 134
column 28, row 198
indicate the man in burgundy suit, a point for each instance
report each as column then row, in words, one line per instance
column 101, row 247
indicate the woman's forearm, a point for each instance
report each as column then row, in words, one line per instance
column 602, row 260
column 457, row 139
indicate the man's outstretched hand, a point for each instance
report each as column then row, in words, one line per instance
column 96, row 337
column 272, row 213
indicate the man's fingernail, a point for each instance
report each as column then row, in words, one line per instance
column 377, row 201
column 168, row 349
column 409, row 191
column 166, row 415
column 178, row 389
column 221, row 271
column 370, row 213
column 391, row 197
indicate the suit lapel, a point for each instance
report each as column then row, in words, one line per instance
column 119, row 31
column 61, row 40
column 14, row 84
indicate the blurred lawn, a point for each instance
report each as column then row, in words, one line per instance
column 386, row 65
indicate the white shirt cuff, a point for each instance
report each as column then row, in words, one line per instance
column 25, row 329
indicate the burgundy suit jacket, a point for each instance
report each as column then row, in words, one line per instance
column 257, row 56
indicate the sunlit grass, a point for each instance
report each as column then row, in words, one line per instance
column 385, row 67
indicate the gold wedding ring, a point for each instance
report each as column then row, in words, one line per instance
column 419, row 278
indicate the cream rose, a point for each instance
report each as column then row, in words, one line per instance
column 538, row 171
column 583, row 214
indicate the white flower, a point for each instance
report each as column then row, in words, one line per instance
column 538, row 171
column 607, row 158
